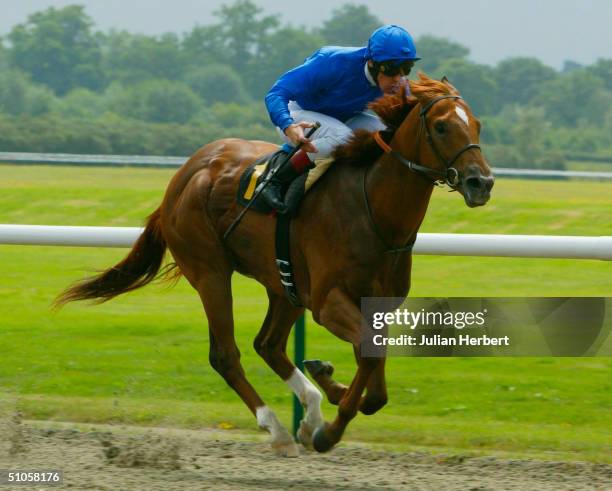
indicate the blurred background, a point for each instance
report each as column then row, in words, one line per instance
column 166, row 77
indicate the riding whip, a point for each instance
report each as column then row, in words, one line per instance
column 268, row 178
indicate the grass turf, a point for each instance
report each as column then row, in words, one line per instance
column 142, row 358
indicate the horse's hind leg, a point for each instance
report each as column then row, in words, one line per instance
column 271, row 344
column 216, row 295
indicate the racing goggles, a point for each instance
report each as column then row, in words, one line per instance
column 391, row 68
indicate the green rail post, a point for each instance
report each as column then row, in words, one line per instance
column 299, row 341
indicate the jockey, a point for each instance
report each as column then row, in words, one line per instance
column 334, row 86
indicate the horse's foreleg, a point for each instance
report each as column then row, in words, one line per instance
column 376, row 390
column 271, row 344
column 342, row 317
column 327, row 436
column 215, row 293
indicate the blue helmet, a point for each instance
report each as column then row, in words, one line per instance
column 391, row 42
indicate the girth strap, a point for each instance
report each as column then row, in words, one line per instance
column 283, row 258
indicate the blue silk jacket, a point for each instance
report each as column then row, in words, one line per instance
column 331, row 81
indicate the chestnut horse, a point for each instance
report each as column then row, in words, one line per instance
column 351, row 238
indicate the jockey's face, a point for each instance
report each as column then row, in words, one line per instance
column 389, row 85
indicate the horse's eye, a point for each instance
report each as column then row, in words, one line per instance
column 440, row 127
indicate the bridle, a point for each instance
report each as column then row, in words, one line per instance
column 449, row 176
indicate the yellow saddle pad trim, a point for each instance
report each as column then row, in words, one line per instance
column 258, row 171
column 314, row 174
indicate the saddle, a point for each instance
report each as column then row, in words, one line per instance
column 257, row 172
column 252, row 176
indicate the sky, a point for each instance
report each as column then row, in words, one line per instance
column 551, row 30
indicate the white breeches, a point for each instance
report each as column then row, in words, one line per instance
column 332, row 131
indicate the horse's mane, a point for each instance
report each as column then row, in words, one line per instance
column 361, row 148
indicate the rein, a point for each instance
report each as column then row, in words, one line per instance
column 449, row 176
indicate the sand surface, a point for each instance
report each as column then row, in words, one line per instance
column 108, row 457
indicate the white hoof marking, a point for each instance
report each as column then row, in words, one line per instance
column 282, row 442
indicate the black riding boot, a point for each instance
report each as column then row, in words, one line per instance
column 273, row 192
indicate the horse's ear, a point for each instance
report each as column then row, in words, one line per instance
column 446, row 82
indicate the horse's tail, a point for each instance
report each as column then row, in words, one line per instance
column 138, row 268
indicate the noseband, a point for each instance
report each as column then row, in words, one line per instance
column 448, row 176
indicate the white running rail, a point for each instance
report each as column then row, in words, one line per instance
column 535, row 246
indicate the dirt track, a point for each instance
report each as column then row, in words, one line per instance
column 128, row 458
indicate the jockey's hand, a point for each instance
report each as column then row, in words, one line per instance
column 295, row 133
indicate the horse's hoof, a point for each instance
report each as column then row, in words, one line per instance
column 319, row 440
column 304, row 435
column 318, row 367
column 373, row 404
column 288, row 449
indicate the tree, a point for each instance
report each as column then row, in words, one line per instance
column 19, row 96
column 81, row 103
column 205, row 44
column 4, row 56
column 236, row 40
column 519, row 79
column 57, row 48
column 608, row 125
column 39, row 100
column 603, row 70
column 576, row 97
column 522, row 140
column 13, row 89
column 279, row 52
column 158, row 101
column 529, row 130
column 475, row 82
column 133, row 58
column 234, row 115
column 571, row 66
column 242, row 29
column 349, row 25
column 434, row 51
column 583, row 140
column 216, row 83
column 497, row 129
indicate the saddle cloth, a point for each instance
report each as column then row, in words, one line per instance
column 256, row 172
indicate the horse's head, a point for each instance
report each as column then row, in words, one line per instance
column 452, row 135
column 446, row 147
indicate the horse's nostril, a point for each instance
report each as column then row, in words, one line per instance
column 479, row 183
column 474, row 182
